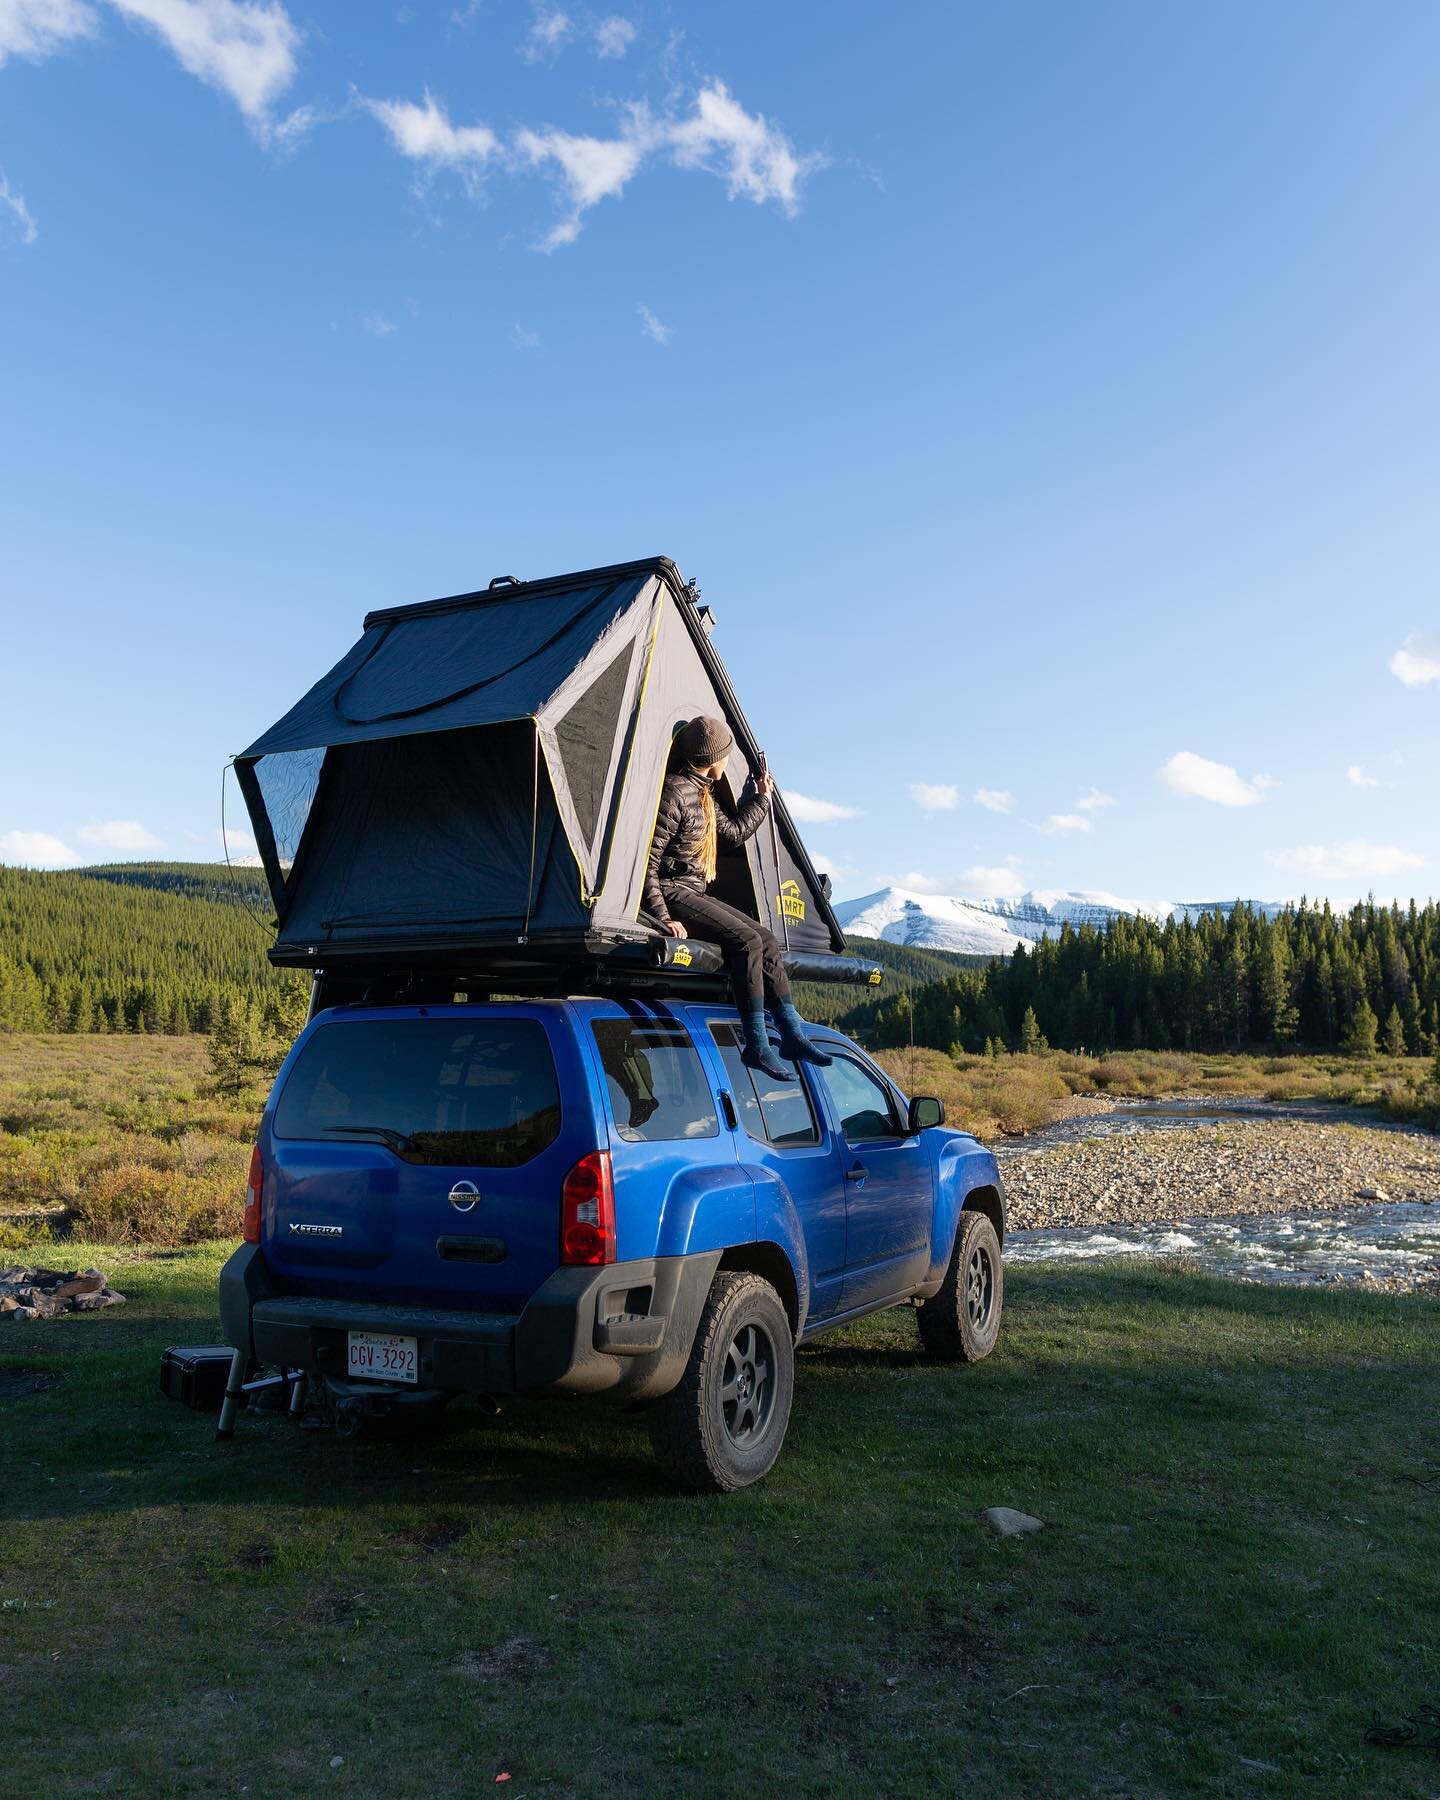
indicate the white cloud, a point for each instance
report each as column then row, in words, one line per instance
column 15, row 204
column 1357, row 777
column 653, row 327
column 239, row 844
column 36, row 850
column 612, row 36
column 755, row 159
column 550, row 30
column 423, row 132
column 1417, row 661
column 995, row 800
column 807, row 811
column 827, row 865
column 591, row 170
column 1061, row 822
column 752, row 156
column 36, row 29
column 118, row 834
column 935, row 796
column 379, row 326
column 914, row 881
column 246, row 48
column 1002, row 883
column 527, row 340
column 1353, row 860
column 1197, row 778
column 1094, row 801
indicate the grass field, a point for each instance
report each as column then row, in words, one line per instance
column 1241, row 1567
column 1010, row 1093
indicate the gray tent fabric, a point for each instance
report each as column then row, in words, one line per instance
column 486, row 770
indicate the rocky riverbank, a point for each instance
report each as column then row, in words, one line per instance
column 1235, row 1167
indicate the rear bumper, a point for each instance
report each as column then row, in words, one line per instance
column 623, row 1331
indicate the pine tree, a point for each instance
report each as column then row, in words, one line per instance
column 1362, row 1031
column 1031, row 1042
column 1394, row 1033
column 237, row 1045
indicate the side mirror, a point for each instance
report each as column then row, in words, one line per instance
column 925, row 1112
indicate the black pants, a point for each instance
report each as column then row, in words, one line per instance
column 752, row 953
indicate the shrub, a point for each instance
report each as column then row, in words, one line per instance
column 136, row 1202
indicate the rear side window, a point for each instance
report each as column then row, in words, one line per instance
column 776, row 1112
column 478, row 1092
column 657, row 1086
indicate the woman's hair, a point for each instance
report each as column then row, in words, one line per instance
column 709, row 844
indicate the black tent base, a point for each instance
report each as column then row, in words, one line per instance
column 597, row 962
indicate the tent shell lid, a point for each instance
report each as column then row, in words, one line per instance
column 519, row 590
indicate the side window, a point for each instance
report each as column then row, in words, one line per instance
column 862, row 1102
column 658, row 1090
column 772, row 1111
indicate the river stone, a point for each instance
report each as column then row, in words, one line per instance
column 1009, row 1523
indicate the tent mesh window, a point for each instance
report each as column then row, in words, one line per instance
column 586, row 736
column 288, row 785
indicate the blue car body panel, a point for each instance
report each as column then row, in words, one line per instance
column 860, row 1225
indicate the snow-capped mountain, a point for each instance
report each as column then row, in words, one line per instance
column 996, row 927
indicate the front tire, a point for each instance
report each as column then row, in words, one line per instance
column 722, row 1425
column 962, row 1322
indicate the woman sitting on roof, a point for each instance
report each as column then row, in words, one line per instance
column 695, row 819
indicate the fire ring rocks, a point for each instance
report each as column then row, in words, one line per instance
column 45, row 1293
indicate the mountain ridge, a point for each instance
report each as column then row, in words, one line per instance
column 997, row 926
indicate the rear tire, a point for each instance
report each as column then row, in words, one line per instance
column 721, row 1426
column 962, row 1322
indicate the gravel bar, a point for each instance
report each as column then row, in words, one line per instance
column 1220, row 1170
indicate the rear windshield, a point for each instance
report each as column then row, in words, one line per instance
column 478, row 1092
column 657, row 1086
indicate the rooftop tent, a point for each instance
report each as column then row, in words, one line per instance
column 482, row 773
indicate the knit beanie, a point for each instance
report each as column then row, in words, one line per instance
column 706, row 741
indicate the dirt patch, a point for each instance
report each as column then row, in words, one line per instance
column 255, row 1557
column 21, row 1384
column 512, row 1659
column 435, row 1535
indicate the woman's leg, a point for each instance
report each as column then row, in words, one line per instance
column 743, row 942
column 793, row 1042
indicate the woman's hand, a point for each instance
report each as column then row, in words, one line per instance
column 673, row 928
column 765, row 785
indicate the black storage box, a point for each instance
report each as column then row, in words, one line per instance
column 195, row 1375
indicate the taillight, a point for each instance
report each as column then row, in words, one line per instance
column 254, row 1189
column 587, row 1211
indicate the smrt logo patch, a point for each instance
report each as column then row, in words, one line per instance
column 791, row 905
column 682, row 957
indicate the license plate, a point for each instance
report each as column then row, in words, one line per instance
column 378, row 1356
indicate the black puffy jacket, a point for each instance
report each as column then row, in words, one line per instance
column 679, row 842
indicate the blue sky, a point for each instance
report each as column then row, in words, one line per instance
column 1045, row 396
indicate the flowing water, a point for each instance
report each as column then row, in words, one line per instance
column 1391, row 1242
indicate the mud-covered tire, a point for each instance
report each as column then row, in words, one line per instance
column 962, row 1322
column 722, row 1425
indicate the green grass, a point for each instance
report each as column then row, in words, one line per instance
column 1241, row 1561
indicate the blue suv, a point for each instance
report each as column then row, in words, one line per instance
column 597, row 1196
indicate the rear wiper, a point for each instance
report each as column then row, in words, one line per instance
column 393, row 1140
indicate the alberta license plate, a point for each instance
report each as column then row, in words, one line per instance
column 380, row 1357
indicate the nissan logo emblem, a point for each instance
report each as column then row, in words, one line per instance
column 463, row 1195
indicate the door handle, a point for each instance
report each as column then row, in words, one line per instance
column 857, row 1173
column 727, row 1106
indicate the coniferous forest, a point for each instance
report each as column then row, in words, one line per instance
column 130, row 948
column 160, row 947
column 1363, row 980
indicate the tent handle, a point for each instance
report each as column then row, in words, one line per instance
column 503, row 581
